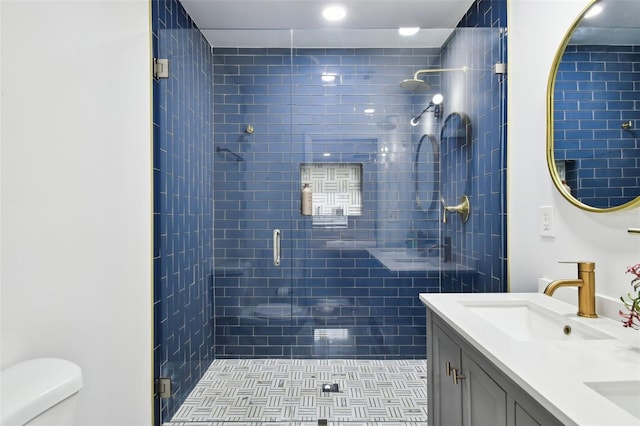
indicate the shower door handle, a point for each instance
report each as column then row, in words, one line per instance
column 276, row 247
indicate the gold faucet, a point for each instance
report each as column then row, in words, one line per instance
column 586, row 284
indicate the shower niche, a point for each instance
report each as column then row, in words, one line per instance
column 336, row 192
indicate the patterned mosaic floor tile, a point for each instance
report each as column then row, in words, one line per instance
column 277, row 392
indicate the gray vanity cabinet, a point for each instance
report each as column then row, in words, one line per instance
column 465, row 388
column 463, row 393
column 447, row 400
column 484, row 402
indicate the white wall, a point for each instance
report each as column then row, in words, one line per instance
column 76, row 197
column 536, row 29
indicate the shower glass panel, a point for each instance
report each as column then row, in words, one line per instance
column 257, row 314
column 183, row 208
column 349, row 110
column 239, row 131
column 335, row 118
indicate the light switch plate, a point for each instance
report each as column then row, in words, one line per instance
column 546, row 220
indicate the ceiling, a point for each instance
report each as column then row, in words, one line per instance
column 369, row 23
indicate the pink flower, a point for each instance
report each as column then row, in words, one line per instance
column 635, row 269
column 629, row 319
column 632, row 319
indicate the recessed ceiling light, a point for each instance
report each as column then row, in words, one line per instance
column 408, row 31
column 334, row 13
column 369, row 111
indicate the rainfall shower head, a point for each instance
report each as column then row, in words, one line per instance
column 416, row 85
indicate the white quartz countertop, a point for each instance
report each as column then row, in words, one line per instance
column 553, row 372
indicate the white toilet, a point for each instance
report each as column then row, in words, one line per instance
column 39, row 392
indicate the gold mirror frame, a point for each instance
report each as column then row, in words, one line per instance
column 555, row 177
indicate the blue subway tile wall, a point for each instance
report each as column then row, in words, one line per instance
column 183, row 204
column 596, row 91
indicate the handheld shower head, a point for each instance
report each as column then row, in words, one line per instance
column 416, row 120
column 435, row 103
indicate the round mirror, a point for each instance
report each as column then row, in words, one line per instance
column 593, row 110
column 426, row 169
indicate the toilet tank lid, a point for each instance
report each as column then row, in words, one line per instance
column 31, row 387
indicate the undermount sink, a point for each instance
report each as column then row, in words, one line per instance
column 625, row 395
column 589, row 378
column 525, row 321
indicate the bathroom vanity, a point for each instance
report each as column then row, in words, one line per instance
column 527, row 359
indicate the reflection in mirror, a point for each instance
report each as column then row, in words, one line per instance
column 456, row 126
column 594, row 109
column 456, row 136
column 426, row 172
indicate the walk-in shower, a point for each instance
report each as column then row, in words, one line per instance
column 335, row 309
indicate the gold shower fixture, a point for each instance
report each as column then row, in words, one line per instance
column 416, row 84
column 462, row 209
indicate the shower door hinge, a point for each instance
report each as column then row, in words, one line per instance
column 160, row 68
column 163, row 387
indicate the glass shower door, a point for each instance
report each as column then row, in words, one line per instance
column 254, row 308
